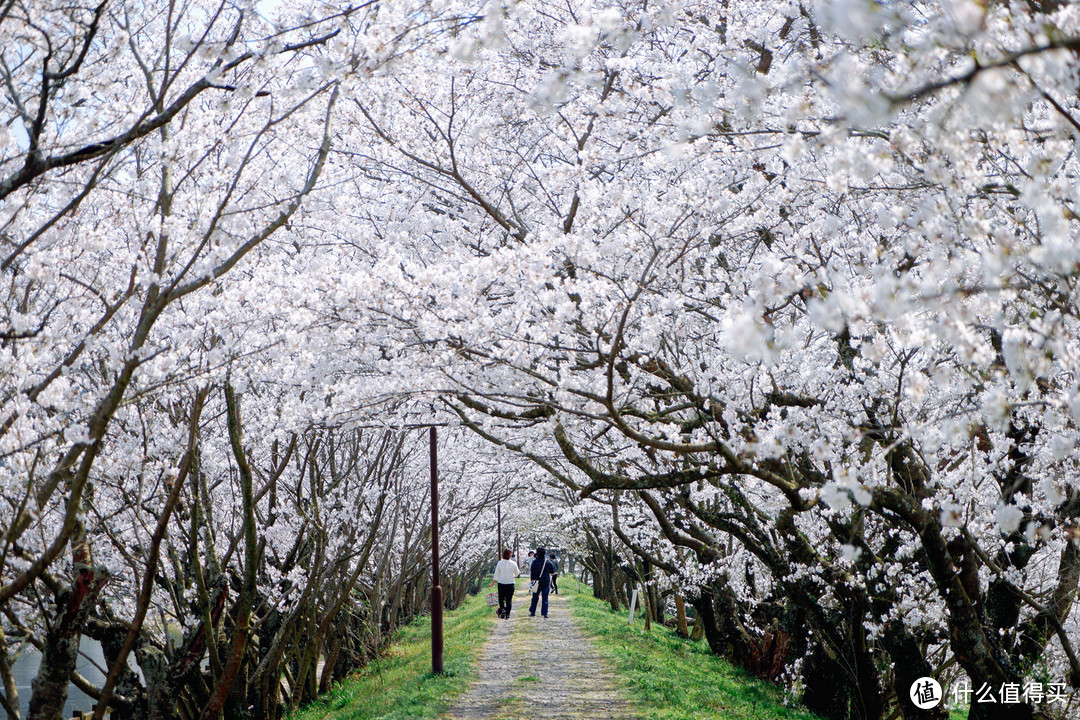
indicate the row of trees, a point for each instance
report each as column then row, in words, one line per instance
column 779, row 297
column 789, row 289
column 170, row 483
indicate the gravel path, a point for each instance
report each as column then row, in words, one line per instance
column 532, row 667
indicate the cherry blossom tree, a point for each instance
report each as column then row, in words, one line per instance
column 770, row 306
column 797, row 278
column 150, row 154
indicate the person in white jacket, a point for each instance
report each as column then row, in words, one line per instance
column 506, row 572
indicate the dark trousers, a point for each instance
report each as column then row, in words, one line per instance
column 506, row 598
column 554, row 584
column 543, row 591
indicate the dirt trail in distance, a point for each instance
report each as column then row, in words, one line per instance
column 532, row 667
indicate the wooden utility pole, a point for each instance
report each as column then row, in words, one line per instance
column 436, row 588
column 498, row 516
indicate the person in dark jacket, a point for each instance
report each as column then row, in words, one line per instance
column 554, row 560
column 540, row 571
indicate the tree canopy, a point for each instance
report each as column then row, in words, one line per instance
column 770, row 306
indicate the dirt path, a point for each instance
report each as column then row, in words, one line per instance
column 532, row 667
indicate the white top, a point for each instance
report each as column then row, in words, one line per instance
column 505, row 572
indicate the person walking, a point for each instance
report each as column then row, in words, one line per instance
column 554, row 573
column 540, row 575
column 506, row 572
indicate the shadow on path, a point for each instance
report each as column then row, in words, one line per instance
column 532, row 667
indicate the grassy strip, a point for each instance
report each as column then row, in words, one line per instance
column 400, row 685
column 670, row 678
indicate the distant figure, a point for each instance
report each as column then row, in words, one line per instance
column 540, row 574
column 554, row 573
column 506, row 570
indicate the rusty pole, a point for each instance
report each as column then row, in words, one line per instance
column 436, row 589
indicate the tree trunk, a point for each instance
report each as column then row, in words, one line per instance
column 699, row 628
column 646, row 609
column 908, row 665
column 73, row 604
column 680, row 616
column 247, row 593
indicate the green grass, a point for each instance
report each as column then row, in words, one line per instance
column 669, row 678
column 400, row 685
column 665, row 676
